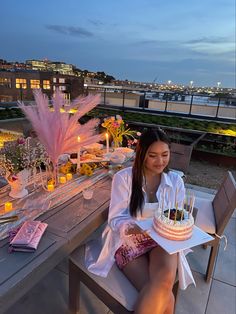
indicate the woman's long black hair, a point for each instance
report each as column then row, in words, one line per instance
column 147, row 138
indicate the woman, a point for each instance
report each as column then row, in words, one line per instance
column 136, row 193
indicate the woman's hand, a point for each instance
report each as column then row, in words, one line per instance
column 133, row 229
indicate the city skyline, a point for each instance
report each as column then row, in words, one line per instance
column 146, row 41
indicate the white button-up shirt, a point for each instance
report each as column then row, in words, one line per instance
column 119, row 216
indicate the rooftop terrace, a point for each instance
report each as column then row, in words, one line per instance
column 50, row 295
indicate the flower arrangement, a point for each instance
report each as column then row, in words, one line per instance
column 87, row 169
column 21, row 154
column 68, row 167
column 7, row 137
column 132, row 143
column 116, row 127
column 57, row 129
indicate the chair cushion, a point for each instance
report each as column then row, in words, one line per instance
column 205, row 216
column 116, row 284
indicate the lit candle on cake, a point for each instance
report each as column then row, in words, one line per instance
column 50, row 187
column 169, row 211
column 107, row 142
column 8, row 206
column 62, row 179
column 163, row 201
column 78, row 155
column 68, row 176
column 192, row 204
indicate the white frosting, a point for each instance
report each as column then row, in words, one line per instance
column 175, row 230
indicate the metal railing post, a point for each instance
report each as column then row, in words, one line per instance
column 123, row 101
column 104, row 98
column 191, row 104
column 218, row 107
column 166, row 102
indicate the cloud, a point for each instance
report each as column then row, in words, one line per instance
column 146, row 42
column 95, row 22
column 70, row 30
column 209, row 40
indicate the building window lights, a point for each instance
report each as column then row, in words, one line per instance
column 46, row 84
column 35, row 84
column 21, row 83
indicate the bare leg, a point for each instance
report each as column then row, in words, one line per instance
column 156, row 297
column 137, row 271
column 171, row 305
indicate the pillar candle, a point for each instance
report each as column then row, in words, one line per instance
column 107, row 143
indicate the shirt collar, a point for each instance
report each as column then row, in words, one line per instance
column 165, row 179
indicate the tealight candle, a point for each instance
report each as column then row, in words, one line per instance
column 68, row 176
column 62, row 179
column 107, row 142
column 8, row 206
column 50, row 187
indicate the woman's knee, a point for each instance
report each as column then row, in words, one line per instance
column 163, row 279
column 163, row 268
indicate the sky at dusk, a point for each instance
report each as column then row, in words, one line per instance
column 140, row 40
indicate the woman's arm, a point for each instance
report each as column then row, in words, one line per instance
column 119, row 204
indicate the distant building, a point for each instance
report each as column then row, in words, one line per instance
column 19, row 84
column 46, row 65
column 91, row 80
column 5, row 65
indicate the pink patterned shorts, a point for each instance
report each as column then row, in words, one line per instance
column 141, row 244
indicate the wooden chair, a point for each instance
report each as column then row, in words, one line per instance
column 115, row 291
column 180, row 156
column 213, row 216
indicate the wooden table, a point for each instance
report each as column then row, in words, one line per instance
column 68, row 225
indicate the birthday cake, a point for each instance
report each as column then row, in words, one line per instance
column 174, row 225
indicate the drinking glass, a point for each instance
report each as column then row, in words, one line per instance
column 87, row 195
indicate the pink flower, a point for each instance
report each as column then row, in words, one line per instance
column 115, row 124
column 20, row 140
column 12, row 178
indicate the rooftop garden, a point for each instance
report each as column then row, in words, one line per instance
column 177, row 122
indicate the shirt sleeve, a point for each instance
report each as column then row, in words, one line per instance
column 119, row 204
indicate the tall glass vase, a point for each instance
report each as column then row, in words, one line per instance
column 18, row 184
column 117, row 142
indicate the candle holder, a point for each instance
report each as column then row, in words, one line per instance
column 50, row 188
column 8, row 207
column 62, row 180
column 69, row 176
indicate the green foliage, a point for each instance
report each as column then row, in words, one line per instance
column 11, row 113
column 205, row 126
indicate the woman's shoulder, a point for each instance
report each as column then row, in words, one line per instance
column 173, row 176
column 124, row 172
